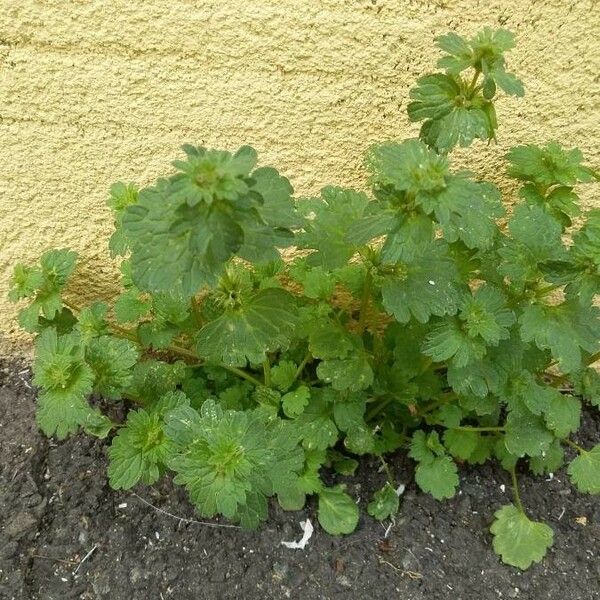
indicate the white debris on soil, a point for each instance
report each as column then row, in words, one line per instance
column 400, row 489
column 307, row 528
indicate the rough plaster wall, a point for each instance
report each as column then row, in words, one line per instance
column 94, row 91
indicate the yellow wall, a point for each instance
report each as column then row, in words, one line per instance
column 99, row 90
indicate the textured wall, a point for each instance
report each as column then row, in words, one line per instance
column 94, row 91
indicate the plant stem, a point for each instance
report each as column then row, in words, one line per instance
column 473, row 83
column 307, row 358
column 468, row 428
column 364, row 303
column 267, row 372
column 378, row 408
column 574, row 445
column 241, row 373
column 388, row 472
column 515, row 486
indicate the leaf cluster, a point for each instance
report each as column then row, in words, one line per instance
column 417, row 316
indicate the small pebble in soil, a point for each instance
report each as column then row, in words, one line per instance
column 343, row 581
column 280, row 570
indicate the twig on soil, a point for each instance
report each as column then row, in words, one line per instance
column 60, row 560
column 183, row 519
column 411, row 574
column 85, row 558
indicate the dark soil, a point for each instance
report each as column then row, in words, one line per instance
column 56, row 507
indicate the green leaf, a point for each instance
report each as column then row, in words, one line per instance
column 328, row 340
column 461, row 444
column 138, row 451
column 447, row 340
column 44, row 285
column 65, row 379
column 317, row 429
column 63, row 321
column 230, row 461
column 588, row 385
column 548, row 462
column 584, row 277
column 537, row 398
column 176, row 245
column 360, row 439
column 465, row 209
column 343, row 465
column 408, row 166
column 338, row 513
column 121, row 196
column 283, row 374
column 348, row 414
column 419, row 450
column 263, row 323
column 278, row 207
column 486, row 315
column 566, row 330
column 112, row 360
column 548, row 165
column 563, row 416
column 212, row 175
column 584, row 471
column 438, row 477
column 183, row 230
column 481, row 52
column 449, row 415
column 385, row 503
column 421, row 287
column 130, row 307
column 374, row 224
column 478, row 378
column 485, row 54
column 535, row 240
column 153, row 379
column 409, row 240
column 316, row 281
column 57, row 267
column 561, row 203
column 92, row 322
column 353, row 373
column 97, row 424
column 519, row 541
column 526, row 433
column 450, row 118
column 294, row 402
column 328, row 220
column 24, row 282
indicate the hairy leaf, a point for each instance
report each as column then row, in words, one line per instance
column 518, row 540
column 263, row 323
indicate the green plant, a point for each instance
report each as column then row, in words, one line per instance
column 417, row 317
